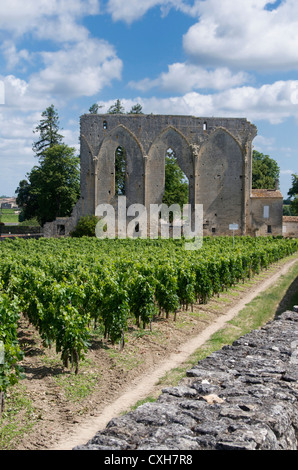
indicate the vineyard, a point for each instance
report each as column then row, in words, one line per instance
column 67, row 287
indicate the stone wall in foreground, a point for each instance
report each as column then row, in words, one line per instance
column 241, row 397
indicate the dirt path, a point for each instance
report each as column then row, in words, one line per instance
column 145, row 385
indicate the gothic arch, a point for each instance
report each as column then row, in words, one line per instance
column 221, row 181
column 87, row 175
column 120, row 136
column 223, row 129
column 172, row 138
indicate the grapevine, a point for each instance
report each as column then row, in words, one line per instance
column 65, row 287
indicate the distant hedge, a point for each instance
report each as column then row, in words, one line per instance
column 20, row 229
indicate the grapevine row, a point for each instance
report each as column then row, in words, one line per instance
column 66, row 287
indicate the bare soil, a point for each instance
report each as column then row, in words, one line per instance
column 121, row 378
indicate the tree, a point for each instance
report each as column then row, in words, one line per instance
column 56, row 183
column 293, row 193
column 120, row 171
column 176, row 184
column 48, row 129
column 265, row 171
column 53, row 186
column 85, row 227
column 116, row 108
column 94, row 108
column 136, row 109
column 26, row 201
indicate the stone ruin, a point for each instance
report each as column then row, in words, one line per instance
column 215, row 155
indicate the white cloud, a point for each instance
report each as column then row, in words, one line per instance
column 271, row 102
column 133, row 10
column 82, row 69
column 245, row 35
column 19, row 17
column 14, row 57
column 262, row 142
column 76, row 70
column 182, row 78
column 61, row 29
column 21, row 97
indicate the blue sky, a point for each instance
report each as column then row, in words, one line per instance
column 197, row 57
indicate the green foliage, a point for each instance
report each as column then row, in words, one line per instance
column 26, row 200
column 85, row 227
column 48, row 129
column 53, row 186
column 64, row 286
column 265, row 171
column 136, row 109
column 55, row 183
column 94, row 108
column 8, row 216
column 120, row 171
column 30, row 223
column 176, row 184
column 116, row 108
column 293, row 193
column 10, row 352
column 294, row 206
column 142, row 300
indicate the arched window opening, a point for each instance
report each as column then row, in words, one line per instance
column 205, row 126
column 176, row 183
column 105, row 124
column 120, row 171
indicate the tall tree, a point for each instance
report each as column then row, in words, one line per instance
column 293, row 193
column 48, row 130
column 53, row 186
column 55, row 183
column 265, row 171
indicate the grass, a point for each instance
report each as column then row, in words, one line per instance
column 9, row 216
column 77, row 387
column 18, row 418
column 142, row 402
column 126, row 360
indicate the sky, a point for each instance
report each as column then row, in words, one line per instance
column 203, row 58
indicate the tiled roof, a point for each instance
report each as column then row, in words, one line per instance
column 290, row 218
column 266, row 193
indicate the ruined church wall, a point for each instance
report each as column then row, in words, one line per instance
column 214, row 154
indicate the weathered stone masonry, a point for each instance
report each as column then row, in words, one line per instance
column 241, row 397
column 215, row 154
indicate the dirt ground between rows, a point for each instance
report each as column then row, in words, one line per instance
column 121, row 377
